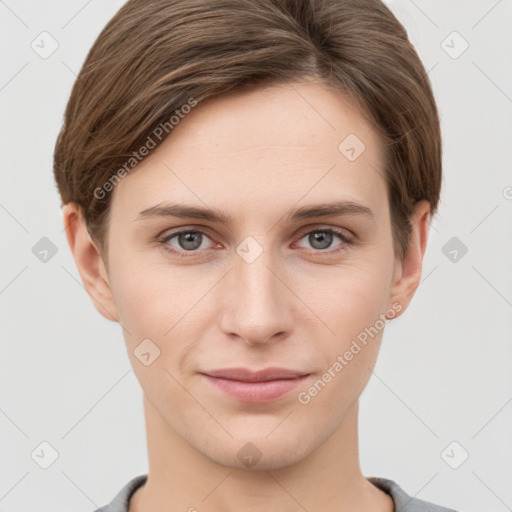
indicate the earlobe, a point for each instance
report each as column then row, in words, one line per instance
column 407, row 274
column 89, row 262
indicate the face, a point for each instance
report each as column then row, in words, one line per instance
column 279, row 272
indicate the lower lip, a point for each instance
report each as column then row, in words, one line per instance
column 256, row 392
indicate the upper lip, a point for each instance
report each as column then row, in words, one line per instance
column 246, row 375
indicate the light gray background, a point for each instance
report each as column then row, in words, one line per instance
column 444, row 372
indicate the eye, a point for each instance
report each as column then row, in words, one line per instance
column 186, row 241
column 191, row 242
column 321, row 239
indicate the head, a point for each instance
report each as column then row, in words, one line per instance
column 255, row 113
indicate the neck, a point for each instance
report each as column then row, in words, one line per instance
column 328, row 479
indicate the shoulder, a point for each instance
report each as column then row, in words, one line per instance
column 404, row 502
column 122, row 498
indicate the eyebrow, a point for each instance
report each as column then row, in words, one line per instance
column 337, row 208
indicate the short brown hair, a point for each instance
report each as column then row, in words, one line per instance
column 153, row 56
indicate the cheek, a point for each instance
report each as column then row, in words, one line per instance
column 347, row 298
column 152, row 306
column 162, row 304
column 139, row 297
column 350, row 300
column 353, row 307
column 137, row 300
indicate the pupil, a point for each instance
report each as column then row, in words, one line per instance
column 190, row 241
column 320, row 239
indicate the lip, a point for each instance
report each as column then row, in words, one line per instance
column 255, row 386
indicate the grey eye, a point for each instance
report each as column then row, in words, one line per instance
column 320, row 239
column 190, row 240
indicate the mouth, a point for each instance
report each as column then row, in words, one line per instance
column 255, row 386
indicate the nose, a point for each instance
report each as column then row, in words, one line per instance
column 257, row 306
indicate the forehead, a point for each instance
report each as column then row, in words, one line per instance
column 271, row 146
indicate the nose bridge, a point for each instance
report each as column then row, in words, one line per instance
column 255, row 307
column 257, row 284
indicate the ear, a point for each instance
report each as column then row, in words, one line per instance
column 89, row 262
column 407, row 274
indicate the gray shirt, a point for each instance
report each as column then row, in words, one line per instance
column 403, row 502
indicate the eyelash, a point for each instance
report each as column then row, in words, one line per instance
column 346, row 241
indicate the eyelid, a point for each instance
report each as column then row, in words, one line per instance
column 346, row 240
column 347, row 233
column 168, row 235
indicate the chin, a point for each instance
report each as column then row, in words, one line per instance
column 259, row 453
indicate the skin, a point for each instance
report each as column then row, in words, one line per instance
column 255, row 155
